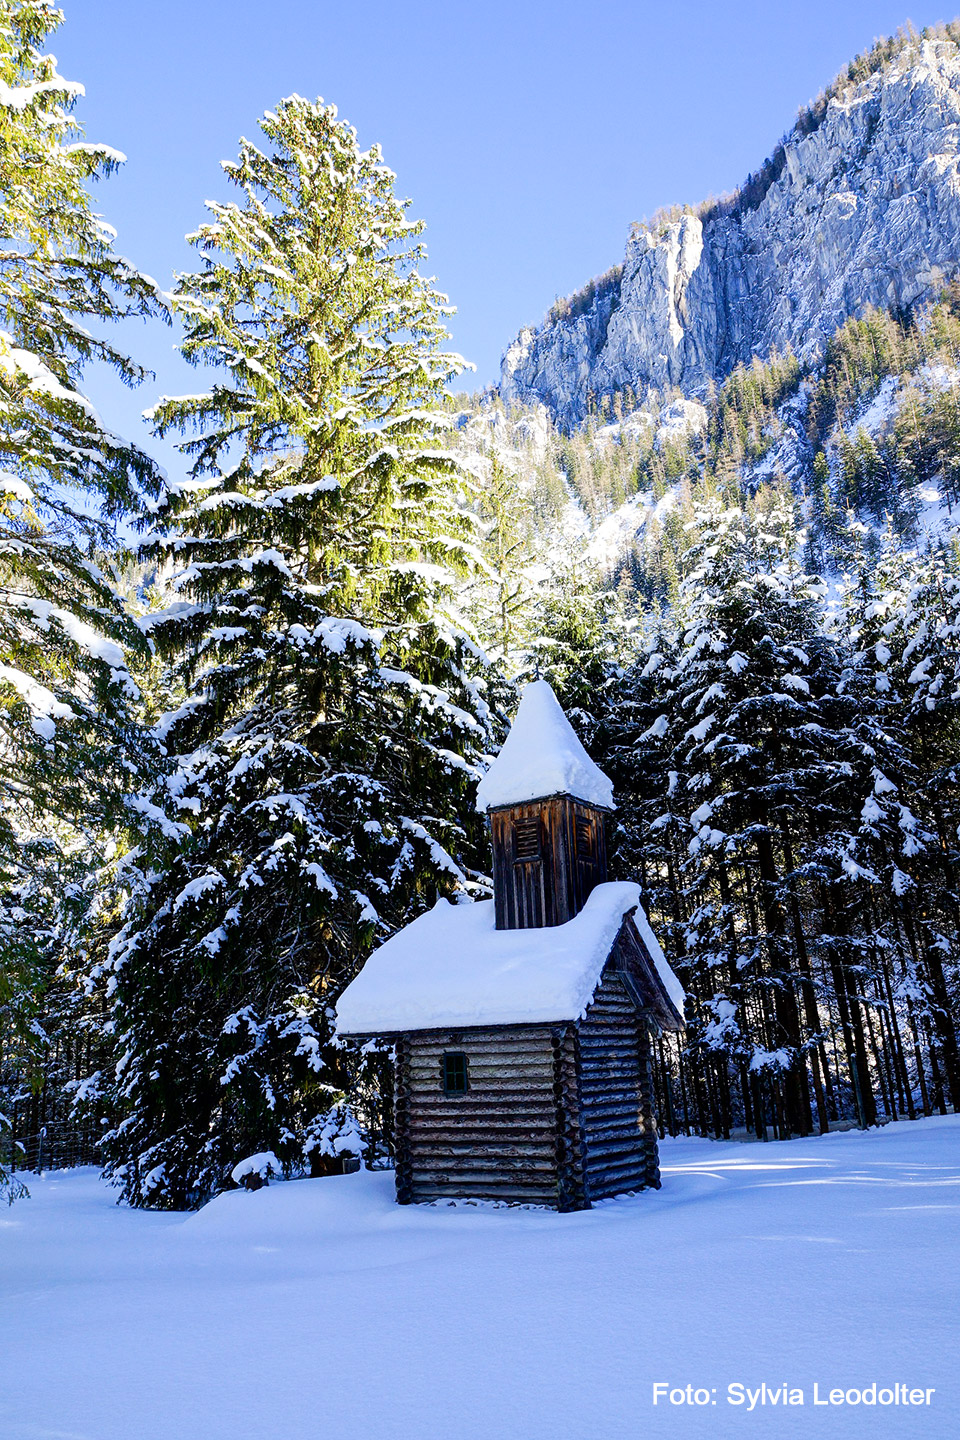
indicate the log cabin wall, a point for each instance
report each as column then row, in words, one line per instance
column 617, row 1113
column 571, row 1155
column 547, row 857
column 509, row 1137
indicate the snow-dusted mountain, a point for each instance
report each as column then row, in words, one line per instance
column 859, row 205
column 868, row 436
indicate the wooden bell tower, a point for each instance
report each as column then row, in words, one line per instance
column 547, row 856
column 546, row 803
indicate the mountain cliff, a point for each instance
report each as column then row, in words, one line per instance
column 858, row 206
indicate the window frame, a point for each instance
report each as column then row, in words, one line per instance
column 457, row 1056
column 528, row 826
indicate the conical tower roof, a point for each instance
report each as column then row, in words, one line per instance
column 542, row 756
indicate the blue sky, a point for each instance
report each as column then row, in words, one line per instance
column 528, row 134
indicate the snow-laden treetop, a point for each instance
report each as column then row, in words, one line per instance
column 542, row 756
column 451, row 967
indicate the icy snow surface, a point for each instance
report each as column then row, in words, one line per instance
column 320, row 1309
column 451, row 968
column 542, row 756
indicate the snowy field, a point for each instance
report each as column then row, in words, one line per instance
column 320, row 1309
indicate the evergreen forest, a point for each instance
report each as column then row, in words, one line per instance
column 240, row 749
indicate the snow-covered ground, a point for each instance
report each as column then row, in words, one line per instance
column 320, row 1309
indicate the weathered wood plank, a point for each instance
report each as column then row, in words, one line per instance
column 614, row 1030
column 620, row 1040
column 482, row 1069
column 601, row 1113
column 541, row 1122
column 604, row 1147
column 492, row 1162
column 536, row 1127
column 493, row 1181
column 497, row 1179
column 611, row 1032
column 633, row 1170
column 524, row 1067
column 634, row 1158
column 498, row 1095
column 549, row 888
column 507, row 1194
column 614, row 1182
column 482, row 1078
column 596, row 1130
column 491, row 1157
column 607, row 1074
column 614, row 1142
column 608, row 1121
column 506, row 1044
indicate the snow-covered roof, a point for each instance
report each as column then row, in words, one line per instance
column 542, row 756
column 452, row 968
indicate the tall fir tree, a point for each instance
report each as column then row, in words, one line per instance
column 501, row 600
column 332, row 717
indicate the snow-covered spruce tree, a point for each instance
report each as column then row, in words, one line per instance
column 775, row 759
column 326, row 742
column 905, row 618
column 68, row 744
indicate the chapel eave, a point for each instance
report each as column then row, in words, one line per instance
column 546, row 800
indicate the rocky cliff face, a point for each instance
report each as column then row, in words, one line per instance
column 863, row 209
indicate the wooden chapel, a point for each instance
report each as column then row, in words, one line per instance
column 524, row 1025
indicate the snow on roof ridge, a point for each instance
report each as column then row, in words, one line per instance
column 542, row 756
column 452, row 968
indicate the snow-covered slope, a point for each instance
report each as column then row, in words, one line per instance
column 619, row 531
column 606, row 537
column 860, row 205
column 320, row 1308
column 936, row 514
column 571, row 504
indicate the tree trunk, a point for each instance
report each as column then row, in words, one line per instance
column 796, row 1098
